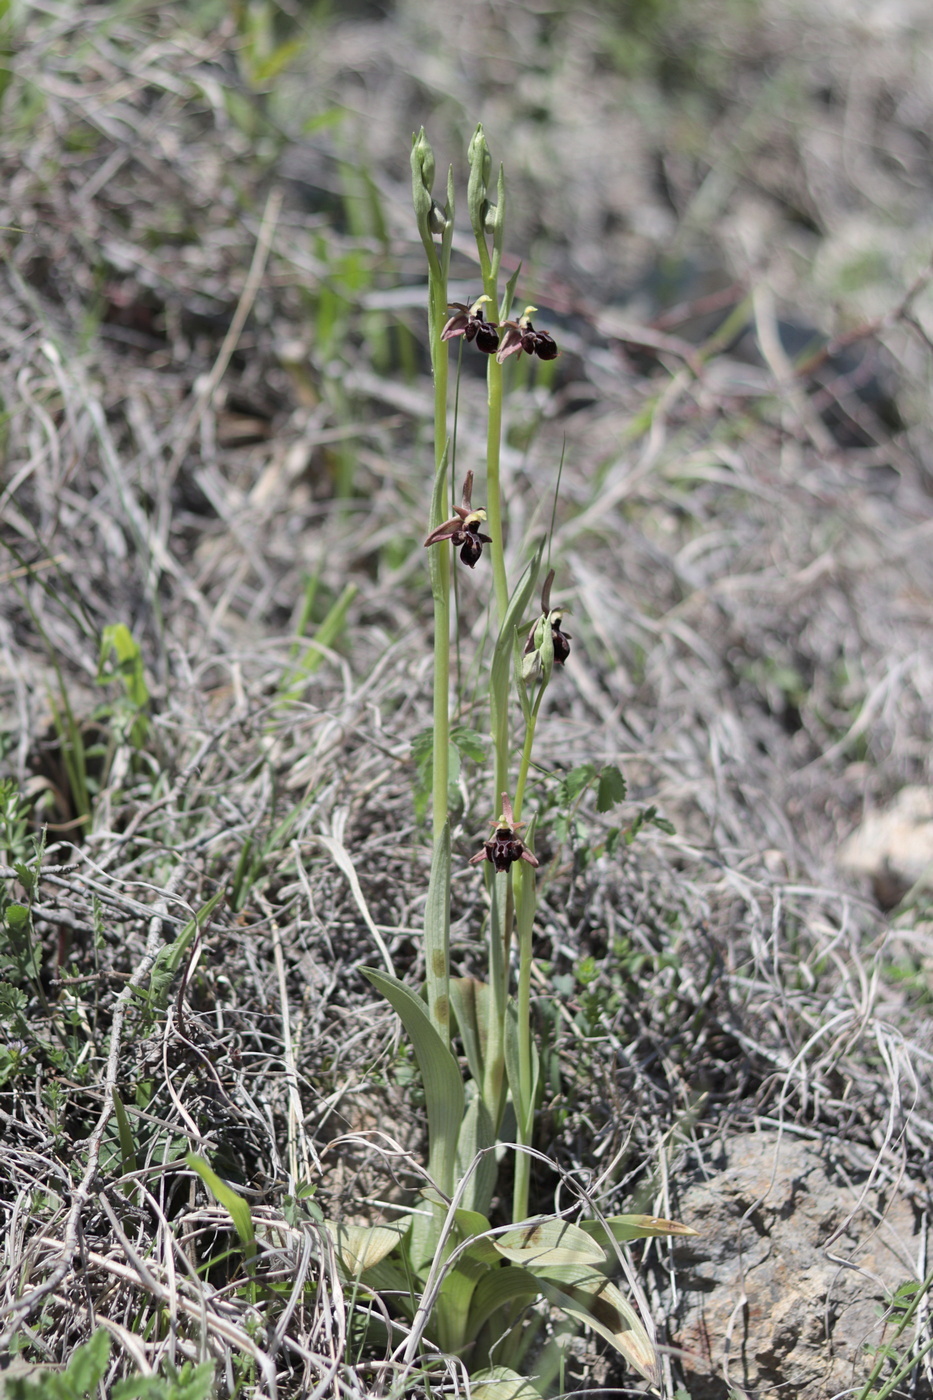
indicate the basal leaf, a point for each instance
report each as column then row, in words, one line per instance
column 501, row 1383
column 547, row 1243
column 592, row 1299
column 496, row 1289
column 440, row 1074
column 361, row 1247
column 633, row 1227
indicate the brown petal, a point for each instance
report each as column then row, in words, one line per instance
column 445, row 531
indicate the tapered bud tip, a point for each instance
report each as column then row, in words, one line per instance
column 478, row 151
column 422, row 159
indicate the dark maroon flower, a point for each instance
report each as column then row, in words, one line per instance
column 505, row 846
column 521, row 335
column 463, row 530
column 472, row 325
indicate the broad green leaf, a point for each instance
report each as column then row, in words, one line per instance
column 633, row 1227
column 502, row 1383
column 497, row 1288
column 592, row 1299
column 547, row 1243
column 361, row 1247
column 440, row 1074
column 233, row 1203
column 470, row 1001
column 477, row 1133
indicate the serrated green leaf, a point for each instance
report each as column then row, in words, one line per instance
column 233, row 1203
column 612, row 788
column 575, row 781
column 440, row 1074
column 87, row 1365
column 546, row 1243
column 362, row 1247
column 470, row 742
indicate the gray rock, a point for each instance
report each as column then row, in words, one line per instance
column 783, row 1289
column 894, row 849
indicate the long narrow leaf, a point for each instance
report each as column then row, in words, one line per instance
column 440, row 1074
column 495, row 1289
column 477, row 1135
column 233, row 1203
column 548, row 1243
column 502, row 654
column 592, row 1299
column 470, row 1001
column 633, row 1227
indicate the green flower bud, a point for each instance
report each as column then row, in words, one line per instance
column 477, row 189
column 422, row 160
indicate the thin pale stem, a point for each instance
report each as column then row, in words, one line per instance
column 524, row 1099
column 493, row 485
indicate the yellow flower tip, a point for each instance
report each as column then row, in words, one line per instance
column 528, row 312
column 479, row 302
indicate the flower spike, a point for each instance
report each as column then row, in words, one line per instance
column 505, row 846
column 463, row 529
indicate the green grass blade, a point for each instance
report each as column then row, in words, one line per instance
column 233, row 1203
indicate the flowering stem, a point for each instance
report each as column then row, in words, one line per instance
column 434, row 222
column 525, row 1097
column 493, row 487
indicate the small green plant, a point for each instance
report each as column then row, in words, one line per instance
column 903, row 1309
column 82, row 1378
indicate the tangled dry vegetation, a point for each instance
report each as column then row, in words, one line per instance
column 215, row 418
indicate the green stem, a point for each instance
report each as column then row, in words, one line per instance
column 440, row 587
column 494, row 1064
column 493, row 482
column 524, row 1099
column 531, row 725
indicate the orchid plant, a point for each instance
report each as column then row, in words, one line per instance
column 465, row 1286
